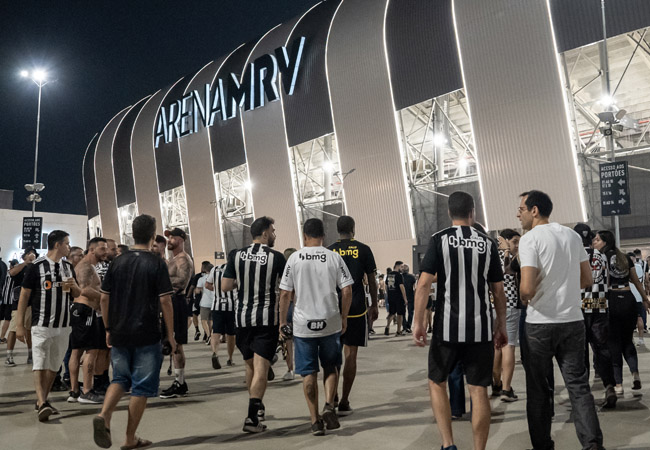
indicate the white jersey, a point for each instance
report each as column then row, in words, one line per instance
column 315, row 273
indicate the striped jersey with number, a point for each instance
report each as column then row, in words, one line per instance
column 256, row 269
column 223, row 301
column 465, row 261
column 50, row 305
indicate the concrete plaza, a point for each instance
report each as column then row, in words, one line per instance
column 390, row 400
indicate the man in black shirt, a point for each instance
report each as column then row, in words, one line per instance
column 467, row 265
column 409, row 287
column 396, row 297
column 361, row 262
column 255, row 271
column 134, row 291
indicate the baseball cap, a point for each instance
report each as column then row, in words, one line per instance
column 28, row 251
column 584, row 231
column 176, row 232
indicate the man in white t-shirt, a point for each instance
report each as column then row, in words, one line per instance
column 554, row 267
column 207, row 299
column 315, row 273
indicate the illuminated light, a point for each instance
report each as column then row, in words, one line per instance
column 606, row 101
column 248, row 185
column 328, row 167
column 39, row 75
column 24, row 73
column 125, row 214
column 463, row 163
column 439, row 139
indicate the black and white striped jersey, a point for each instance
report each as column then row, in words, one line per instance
column 256, row 269
column 223, row 301
column 50, row 305
column 465, row 261
column 599, row 272
column 510, row 285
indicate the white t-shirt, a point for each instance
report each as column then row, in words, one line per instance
column 315, row 273
column 639, row 274
column 557, row 252
column 207, row 297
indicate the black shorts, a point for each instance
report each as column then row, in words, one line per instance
column 396, row 307
column 84, row 330
column 100, row 333
column 356, row 334
column 179, row 304
column 430, row 304
column 5, row 312
column 196, row 305
column 260, row 340
column 223, row 322
column 477, row 361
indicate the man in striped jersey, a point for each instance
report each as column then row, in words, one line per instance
column 223, row 316
column 49, row 286
column 255, row 271
column 467, row 266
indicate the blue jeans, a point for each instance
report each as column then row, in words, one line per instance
column 308, row 351
column 138, row 369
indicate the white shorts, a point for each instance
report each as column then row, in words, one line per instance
column 49, row 346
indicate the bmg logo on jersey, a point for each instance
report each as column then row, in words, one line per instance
column 353, row 252
column 473, row 242
column 322, row 257
column 260, row 258
column 316, row 325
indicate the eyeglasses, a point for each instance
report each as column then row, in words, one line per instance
column 521, row 209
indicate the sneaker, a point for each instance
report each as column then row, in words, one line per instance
column 252, row 427
column 619, row 391
column 229, row 363
column 330, row 418
column 215, row 362
column 640, row 342
column 451, row 447
column 318, row 428
column 30, row 360
column 261, row 413
column 399, row 333
column 636, row 384
column 371, row 331
column 386, row 331
column 271, row 375
column 3, row 340
column 175, row 390
column 205, row 336
column 207, row 342
column 54, row 410
column 408, row 330
column 288, row 376
column 44, row 412
column 509, row 396
column 344, row 409
column 610, row 398
column 9, row 362
column 90, row 398
column 496, row 389
column 197, row 335
column 58, row 385
column 73, row 397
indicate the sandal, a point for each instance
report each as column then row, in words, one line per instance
column 101, row 433
column 140, row 444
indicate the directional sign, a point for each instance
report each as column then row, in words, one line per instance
column 32, row 229
column 614, row 189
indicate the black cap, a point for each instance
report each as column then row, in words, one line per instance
column 28, row 251
column 176, row 232
column 584, row 231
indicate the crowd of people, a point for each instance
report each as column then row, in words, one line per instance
column 552, row 290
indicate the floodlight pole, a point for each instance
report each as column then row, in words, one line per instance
column 38, row 127
column 609, row 140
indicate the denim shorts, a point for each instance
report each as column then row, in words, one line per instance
column 138, row 369
column 512, row 325
column 308, row 351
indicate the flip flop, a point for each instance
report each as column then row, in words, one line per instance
column 101, row 434
column 140, row 444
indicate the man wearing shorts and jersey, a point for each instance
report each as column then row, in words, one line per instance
column 467, row 266
column 87, row 335
column 396, row 298
column 223, row 316
column 49, row 286
column 255, row 271
column 315, row 273
column 360, row 261
column 181, row 269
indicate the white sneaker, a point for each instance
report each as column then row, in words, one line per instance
column 289, row 376
column 639, row 342
column 619, row 390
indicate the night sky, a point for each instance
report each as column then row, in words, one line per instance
column 104, row 55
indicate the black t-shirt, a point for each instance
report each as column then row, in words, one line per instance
column 409, row 286
column 619, row 277
column 135, row 282
column 393, row 282
column 360, row 261
column 189, row 292
column 17, row 284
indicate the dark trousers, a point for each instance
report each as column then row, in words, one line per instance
column 622, row 322
column 565, row 342
column 408, row 317
column 523, row 349
column 597, row 334
column 457, row 391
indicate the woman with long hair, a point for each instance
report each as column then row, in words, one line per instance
column 622, row 308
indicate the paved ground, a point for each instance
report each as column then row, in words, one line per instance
column 390, row 400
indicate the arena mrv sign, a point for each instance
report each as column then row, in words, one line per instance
column 223, row 98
